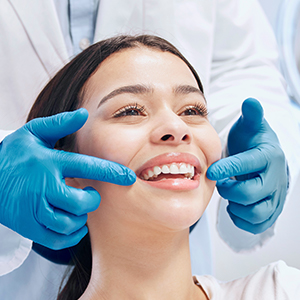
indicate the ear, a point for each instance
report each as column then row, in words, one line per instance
column 73, row 182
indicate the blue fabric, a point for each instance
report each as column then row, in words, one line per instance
column 77, row 20
column 82, row 18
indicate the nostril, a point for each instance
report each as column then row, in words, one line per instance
column 166, row 137
column 185, row 137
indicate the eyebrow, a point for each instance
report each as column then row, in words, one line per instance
column 143, row 89
column 186, row 89
column 129, row 89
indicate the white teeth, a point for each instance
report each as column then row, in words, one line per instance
column 165, row 169
column 192, row 171
column 174, row 169
column 150, row 174
column 157, row 170
column 182, row 168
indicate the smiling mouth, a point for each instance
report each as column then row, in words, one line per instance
column 169, row 171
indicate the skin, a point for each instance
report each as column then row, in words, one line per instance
column 139, row 234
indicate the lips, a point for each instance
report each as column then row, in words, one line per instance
column 171, row 171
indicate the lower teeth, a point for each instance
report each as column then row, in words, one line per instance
column 151, row 179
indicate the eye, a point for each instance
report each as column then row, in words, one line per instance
column 198, row 109
column 130, row 110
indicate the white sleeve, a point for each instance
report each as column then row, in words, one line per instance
column 14, row 248
column 275, row 281
column 237, row 239
column 245, row 64
column 4, row 133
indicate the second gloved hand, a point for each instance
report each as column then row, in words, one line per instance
column 255, row 158
column 34, row 199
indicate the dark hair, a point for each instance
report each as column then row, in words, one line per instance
column 65, row 92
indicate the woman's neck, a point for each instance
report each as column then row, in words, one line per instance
column 136, row 264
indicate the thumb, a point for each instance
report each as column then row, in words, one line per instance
column 51, row 129
column 252, row 115
column 244, row 133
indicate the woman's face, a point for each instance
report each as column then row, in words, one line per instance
column 147, row 113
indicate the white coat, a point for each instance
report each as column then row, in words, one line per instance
column 229, row 42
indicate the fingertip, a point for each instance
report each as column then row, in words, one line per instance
column 52, row 128
column 252, row 111
column 89, row 188
column 228, row 209
column 77, row 118
column 82, row 112
column 84, row 232
column 72, row 120
column 214, row 172
column 219, row 170
column 131, row 177
column 251, row 103
column 95, row 196
column 123, row 175
column 211, row 175
column 76, row 237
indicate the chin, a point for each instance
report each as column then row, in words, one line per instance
column 179, row 213
column 160, row 209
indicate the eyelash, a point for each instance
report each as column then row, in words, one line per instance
column 130, row 107
column 198, row 107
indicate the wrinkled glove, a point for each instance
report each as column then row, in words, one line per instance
column 34, row 199
column 257, row 194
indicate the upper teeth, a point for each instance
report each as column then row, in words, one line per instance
column 181, row 168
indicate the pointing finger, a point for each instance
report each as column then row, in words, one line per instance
column 240, row 164
column 51, row 129
column 84, row 166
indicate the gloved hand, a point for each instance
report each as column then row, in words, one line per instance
column 257, row 196
column 34, row 199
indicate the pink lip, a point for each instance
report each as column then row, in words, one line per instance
column 177, row 183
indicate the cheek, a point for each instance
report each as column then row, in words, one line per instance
column 115, row 143
column 209, row 143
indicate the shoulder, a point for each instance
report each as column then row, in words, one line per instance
column 276, row 281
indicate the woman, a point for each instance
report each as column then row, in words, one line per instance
column 147, row 111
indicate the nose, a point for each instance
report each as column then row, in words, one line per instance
column 170, row 129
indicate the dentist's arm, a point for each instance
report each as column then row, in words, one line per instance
column 257, row 196
column 34, row 199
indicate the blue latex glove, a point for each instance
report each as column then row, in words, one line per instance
column 34, row 199
column 257, row 196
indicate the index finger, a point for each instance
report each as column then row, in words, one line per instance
column 89, row 167
column 51, row 129
column 247, row 162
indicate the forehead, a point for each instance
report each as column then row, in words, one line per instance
column 142, row 65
